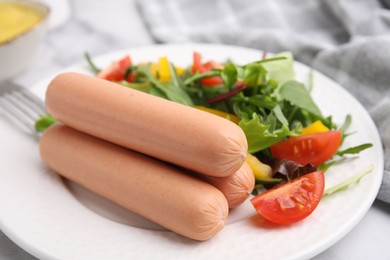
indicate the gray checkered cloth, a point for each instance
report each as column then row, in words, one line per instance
column 349, row 40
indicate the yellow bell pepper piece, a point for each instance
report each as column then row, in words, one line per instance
column 153, row 69
column 316, row 127
column 260, row 170
column 231, row 117
column 163, row 69
column 179, row 70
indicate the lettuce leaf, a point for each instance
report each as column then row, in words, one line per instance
column 261, row 134
column 281, row 70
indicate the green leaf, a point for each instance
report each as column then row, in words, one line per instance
column 173, row 91
column 129, row 70
column 325, row 166
column 297, row 95
column 141, row 86
column 281, row 70
column 260, row 135
column 199, row 76
column 92, row 65
column 279, row 115
column 253, row 74
column 229, row 75
column 44, row 122
column 275, row 58
column 174, row 78
column 348, row 182
column 269, row 181
column 346, row 124
column 157, row 92
column 355, row 149
column 310, row 80
column 240, row 72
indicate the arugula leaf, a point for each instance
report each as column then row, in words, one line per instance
column 92, row 65
column 176, row 82
column 325, row 166
column 348, row 182
column 44, row 122
column 197, row 76
column 158, row 92
column 260, row 135
column 129, row 70
column 275, row 58
column 355, row 149
column 173, row 91
column 267, row 183
column 346, row 124
column 297, row 95
column 141, row 86
column 261, row 104
column 279, row 115
column 229, row 75
column 253, row 74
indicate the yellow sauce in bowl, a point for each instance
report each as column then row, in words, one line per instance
column 15, row 19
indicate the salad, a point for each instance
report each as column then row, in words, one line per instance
column 291, row 144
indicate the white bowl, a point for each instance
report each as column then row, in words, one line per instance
column 17, row 53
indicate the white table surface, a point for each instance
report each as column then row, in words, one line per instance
column 103, row 26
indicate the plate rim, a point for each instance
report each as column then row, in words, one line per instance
column 363, row 210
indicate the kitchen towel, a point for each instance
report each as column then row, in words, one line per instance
column 348, row 40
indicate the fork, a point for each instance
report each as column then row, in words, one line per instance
column 21, row 106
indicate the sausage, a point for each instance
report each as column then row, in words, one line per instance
column 153, row 189
column 163, row 129
column 236, row 187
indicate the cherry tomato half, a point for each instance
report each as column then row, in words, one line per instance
column 117, row 70
column 200, row 67
column 292, row 201
column 312, row 148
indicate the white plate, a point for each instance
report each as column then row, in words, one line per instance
column 51, row 218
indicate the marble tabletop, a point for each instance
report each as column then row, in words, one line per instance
column 104, row 26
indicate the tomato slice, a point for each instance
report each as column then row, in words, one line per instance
column 200, row 67
column 117, row 70
column 212, row 81
column 292, row 201
column 212, row 65
column 312, row 148
column 197, row 63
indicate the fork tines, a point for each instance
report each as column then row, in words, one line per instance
column 21, row 106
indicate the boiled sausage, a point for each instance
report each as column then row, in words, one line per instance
column 236, row 187
column 163, row 129
column 151, row 188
